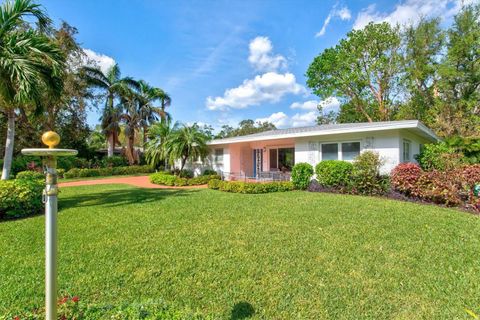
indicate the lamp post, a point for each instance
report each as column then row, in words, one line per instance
column 51, row 139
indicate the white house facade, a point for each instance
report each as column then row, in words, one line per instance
column 275, row 152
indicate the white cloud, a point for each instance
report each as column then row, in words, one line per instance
column 268, row 87
column 304, row 119
column 307, row 105
column 102, row 61
column 343, row 13
column 409, row 12
column 261, row 57
column 279, row 119
column 330, row 104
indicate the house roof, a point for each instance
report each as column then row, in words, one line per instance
column 328, row 129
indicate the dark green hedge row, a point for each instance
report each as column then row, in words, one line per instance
column 250, row 187
column 20, row 197
column 101, row 172
column 168, row 179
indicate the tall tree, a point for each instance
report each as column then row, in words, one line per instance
column 245, row 127
column 423, row 45
column 114, row 87
column 457, row 105
column 30, row 65
column 362, row 71
column 132, row 116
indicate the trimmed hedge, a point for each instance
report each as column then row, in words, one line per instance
column 30, row 175
column 20, row 197
column 404, row 178
column 301, row 175
column 334, row 173
column 104, row 172
column 167, row 179
column 250, row 187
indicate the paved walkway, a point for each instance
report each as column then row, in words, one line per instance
column 140, row 181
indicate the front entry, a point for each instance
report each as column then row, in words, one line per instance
column 257, row 162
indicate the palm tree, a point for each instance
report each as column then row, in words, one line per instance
column 30, row 65
column 186, row 143
column 149, row 113
column 133, row 119
column 158, row 133
column 115, row 87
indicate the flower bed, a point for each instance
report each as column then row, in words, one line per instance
column 250, row 187
column 105, row 172
column 168, row 179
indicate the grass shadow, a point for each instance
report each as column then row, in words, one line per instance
column 119, row 197
column 242, row 310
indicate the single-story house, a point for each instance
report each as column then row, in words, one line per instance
column 272, row 154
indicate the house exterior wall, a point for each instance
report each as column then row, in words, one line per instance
column 386, row 143
column 238, row 157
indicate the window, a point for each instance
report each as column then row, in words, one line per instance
column 218, row 157
column 286, row 159
column 273, row 159
column 350, row 150
column 282, row 159
column 330, row 151
column 406, row 150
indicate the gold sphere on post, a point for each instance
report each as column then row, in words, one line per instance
column 51, row 139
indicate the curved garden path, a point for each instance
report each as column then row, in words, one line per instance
column 138, row 181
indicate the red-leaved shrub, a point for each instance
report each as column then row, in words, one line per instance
column 451, row 187
column 404, row 178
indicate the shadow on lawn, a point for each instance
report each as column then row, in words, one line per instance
column 119, row 197
column 242, row 310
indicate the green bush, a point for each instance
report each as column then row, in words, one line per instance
column 115, row 161
column 167, row 179
column 334, row 173
column 209, row 172
column 22, row 163
column 20, row 197
column 102, row 172
column 60, row 172
column 301, row 175
column 366, row 178
column 440, row 156
column 250, row 187
column 30, row 175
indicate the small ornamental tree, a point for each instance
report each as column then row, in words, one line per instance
column 301, row 175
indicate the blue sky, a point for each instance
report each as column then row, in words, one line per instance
column 224, row 61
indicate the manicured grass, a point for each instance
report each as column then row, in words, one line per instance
column 293, row 255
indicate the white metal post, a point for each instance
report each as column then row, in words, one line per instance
column 51, row 191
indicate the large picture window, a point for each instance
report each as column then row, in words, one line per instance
column 330, row 151
column 282, row 159
column 350, row 150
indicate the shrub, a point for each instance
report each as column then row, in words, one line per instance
column 209, row 172
column 60, row 172
column 115, row 161
column 250, row 187
column 167, row 179
column 440, row 156
column 100, row 172
column 404, row 178
column 185, row 174
column 20, row 197
column 366, row 178
column 22, row 163
column 301, row 175
column 30, row 175
column 439, row 187
column 333, row 173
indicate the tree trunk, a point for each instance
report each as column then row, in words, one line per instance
column 7, row 160
column 184, row 160
column 111, row 144
column 145, row 132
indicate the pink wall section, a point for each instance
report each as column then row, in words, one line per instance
column 241, row 154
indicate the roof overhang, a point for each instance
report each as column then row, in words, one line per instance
column 411, row 125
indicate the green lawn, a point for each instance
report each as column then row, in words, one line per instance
column 294, row 255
